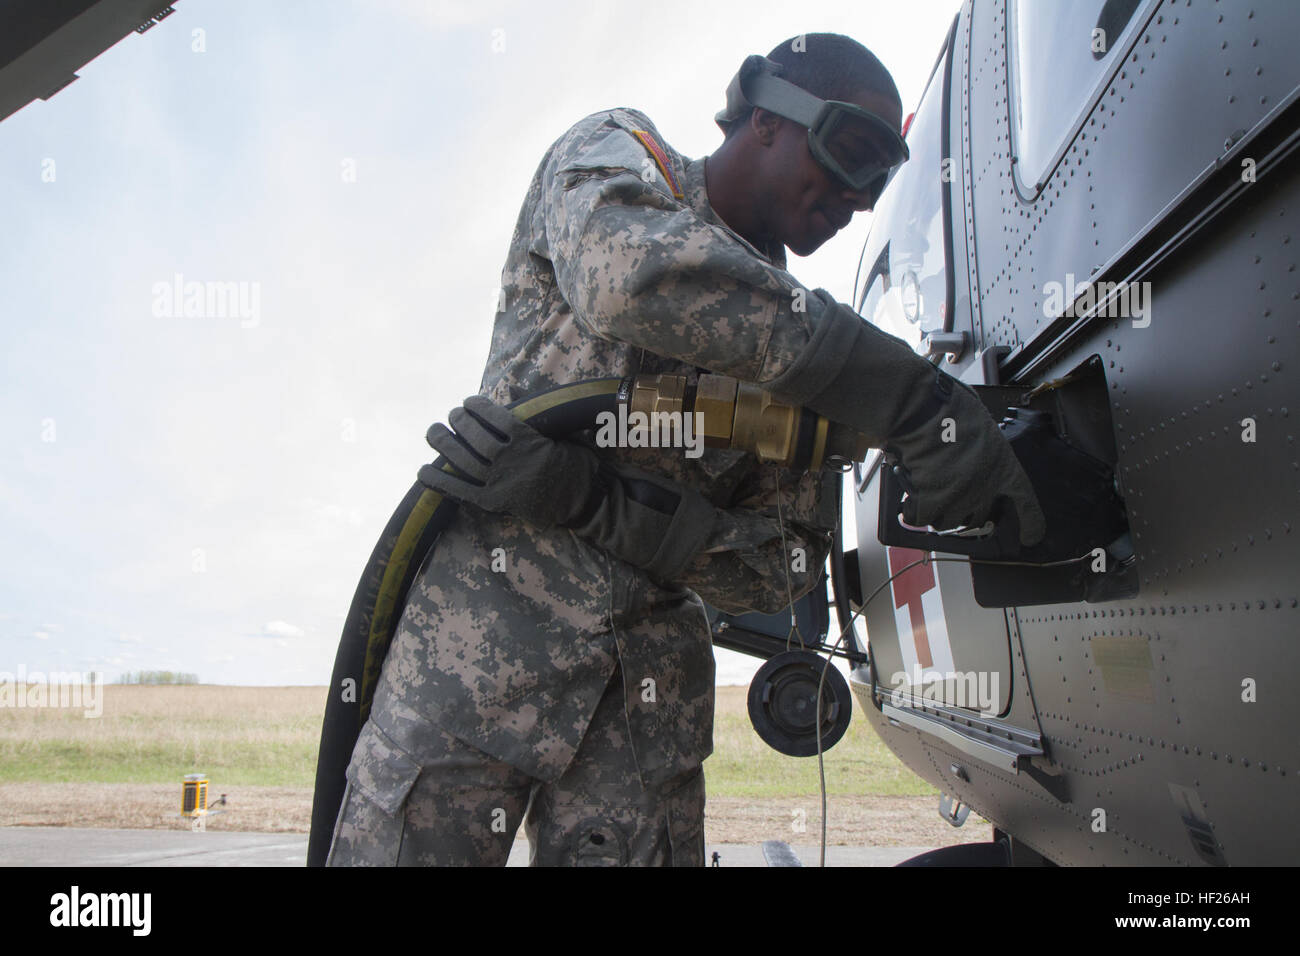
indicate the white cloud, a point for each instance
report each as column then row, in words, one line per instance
column 328, row 511
column 447, row 14
column 98, row 661
column 282, row 629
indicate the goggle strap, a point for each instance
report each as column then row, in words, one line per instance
column 781, row 97
column 758, row 85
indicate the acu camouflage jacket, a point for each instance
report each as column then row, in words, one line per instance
column 618, row 265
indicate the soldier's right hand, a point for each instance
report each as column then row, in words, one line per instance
column 949, row 450
column 957, row 464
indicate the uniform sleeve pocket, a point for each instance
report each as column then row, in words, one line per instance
column 382, row 770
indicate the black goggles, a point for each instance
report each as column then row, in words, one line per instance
column 851, row 143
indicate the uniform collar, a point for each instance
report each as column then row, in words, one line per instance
column 697, row 197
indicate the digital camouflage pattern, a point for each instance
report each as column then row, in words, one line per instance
column 464, row 808
column 511, row 633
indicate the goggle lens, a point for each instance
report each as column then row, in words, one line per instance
column 851, row 145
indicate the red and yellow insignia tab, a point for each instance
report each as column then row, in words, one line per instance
column 661, row 158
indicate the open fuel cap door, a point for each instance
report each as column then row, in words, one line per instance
column 1060, row 437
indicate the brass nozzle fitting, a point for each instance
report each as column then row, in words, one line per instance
column 657, row 394
column 762, row 424
column 735, row 414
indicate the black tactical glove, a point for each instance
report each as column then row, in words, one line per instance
column 855, row 374
column 505, row 465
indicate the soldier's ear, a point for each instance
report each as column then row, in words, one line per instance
column 765, row 125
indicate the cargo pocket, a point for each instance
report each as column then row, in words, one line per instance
column 372, row 820
column 685, row 808
column 599, row 843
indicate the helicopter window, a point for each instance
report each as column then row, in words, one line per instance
column 1061, row 52
column 905, row 289
column 906, row 286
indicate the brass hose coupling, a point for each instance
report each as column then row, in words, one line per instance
column 730, row 413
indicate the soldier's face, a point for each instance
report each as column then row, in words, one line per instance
column 806, row 203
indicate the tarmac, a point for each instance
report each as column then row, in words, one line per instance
column 66, row 846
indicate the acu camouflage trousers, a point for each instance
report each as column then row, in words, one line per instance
column 418, row 796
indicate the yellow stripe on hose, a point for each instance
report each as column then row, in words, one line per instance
column 544, row 403
column 390, row 585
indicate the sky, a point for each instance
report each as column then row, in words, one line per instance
column 200, row 494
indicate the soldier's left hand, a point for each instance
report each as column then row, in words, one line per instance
column 499, row 463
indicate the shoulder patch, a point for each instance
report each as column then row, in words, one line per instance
column 661, row 158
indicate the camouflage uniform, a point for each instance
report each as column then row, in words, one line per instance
column 521, row 648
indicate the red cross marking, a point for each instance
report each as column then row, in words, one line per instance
column 908, row 588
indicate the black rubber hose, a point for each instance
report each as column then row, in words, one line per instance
column 380, row 598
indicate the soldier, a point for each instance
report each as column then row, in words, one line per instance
column 553, row 664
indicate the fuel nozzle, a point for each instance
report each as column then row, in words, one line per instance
column 730, row 413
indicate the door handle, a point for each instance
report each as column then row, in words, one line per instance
column 952, row 344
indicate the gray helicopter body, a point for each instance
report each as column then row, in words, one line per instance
column 1101, row 201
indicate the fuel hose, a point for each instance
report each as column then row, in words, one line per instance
column 377, row 605
column 730, row 414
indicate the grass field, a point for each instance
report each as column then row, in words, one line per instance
column 268, row 736
column 259, row 744
column 258, row 736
